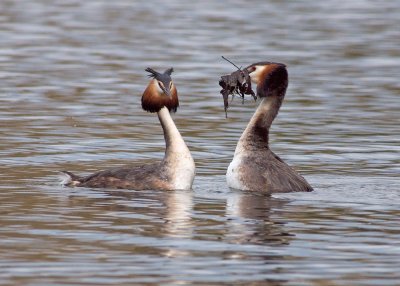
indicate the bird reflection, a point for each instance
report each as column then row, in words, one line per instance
column 179, row 205
column 251, row 219
column 148, row 214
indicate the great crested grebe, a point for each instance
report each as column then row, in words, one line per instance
column 175, row 172
column 254, row 166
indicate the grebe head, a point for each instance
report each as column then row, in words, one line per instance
column 271, row 78
column 160, row 92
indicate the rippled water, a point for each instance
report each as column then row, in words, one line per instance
column 71, row 77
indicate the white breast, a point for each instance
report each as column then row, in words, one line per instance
column 184, row 171
column 233, row 175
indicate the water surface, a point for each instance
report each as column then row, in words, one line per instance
column 71, row 77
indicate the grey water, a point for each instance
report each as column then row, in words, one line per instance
column 71, row 78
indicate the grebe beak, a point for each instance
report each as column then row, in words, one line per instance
column 166, row 90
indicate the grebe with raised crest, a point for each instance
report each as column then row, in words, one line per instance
column 254, row 166
column 175, row 172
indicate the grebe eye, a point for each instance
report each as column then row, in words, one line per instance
column 160, row 84
column 170, row 85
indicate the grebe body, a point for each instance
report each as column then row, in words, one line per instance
column 254, row 166
column 177, row 169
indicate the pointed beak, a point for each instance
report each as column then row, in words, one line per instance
column 166, row 90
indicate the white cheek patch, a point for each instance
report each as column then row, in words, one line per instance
column 159, row 88
column 255, row 75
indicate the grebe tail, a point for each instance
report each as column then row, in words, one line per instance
column 177, row 169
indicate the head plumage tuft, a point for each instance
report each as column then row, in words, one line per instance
column 169, row 71
column 153, row 73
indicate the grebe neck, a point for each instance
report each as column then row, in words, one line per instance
column 173, row 139
column 177, row 159
column 256, row 134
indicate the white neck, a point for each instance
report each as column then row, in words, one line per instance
column 177, row 154
column 173, row 139
column 255, row 136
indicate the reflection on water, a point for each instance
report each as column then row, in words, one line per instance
column 71, row 77
column 251, row 222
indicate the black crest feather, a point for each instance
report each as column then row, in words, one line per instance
column 153, row 73
column 169, row 71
